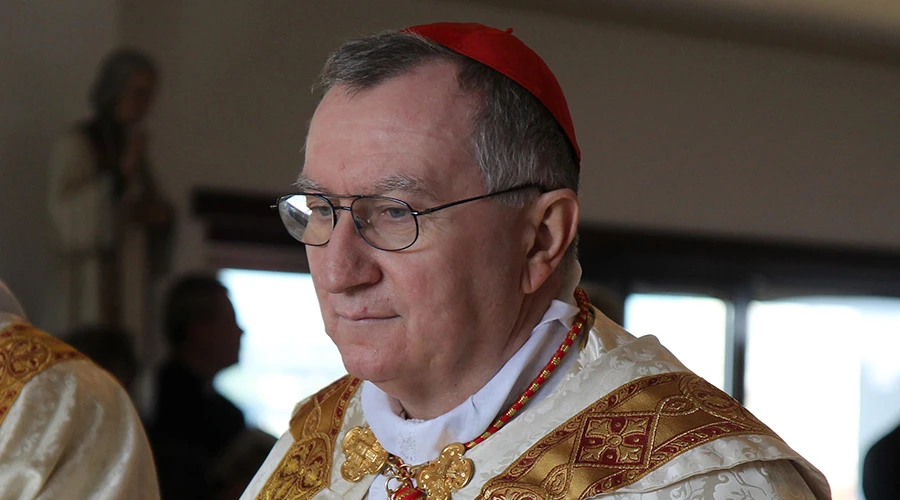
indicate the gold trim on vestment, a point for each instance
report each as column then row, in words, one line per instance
column 25, row 352
column 622, row 437
column 306, row 467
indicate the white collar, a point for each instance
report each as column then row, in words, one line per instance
column 418, row 441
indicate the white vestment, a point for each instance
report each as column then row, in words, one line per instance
column 739, row 466
column 71, row 432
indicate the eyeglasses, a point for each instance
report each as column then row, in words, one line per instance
column 385, row 223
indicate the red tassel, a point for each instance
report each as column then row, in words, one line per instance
column 409, row 493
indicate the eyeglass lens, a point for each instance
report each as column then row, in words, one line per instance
column 384, row 223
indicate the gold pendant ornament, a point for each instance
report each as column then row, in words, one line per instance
column 364, row 454
column 436, row 479
column 450, row 472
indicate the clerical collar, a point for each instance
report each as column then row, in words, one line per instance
column 417, row 441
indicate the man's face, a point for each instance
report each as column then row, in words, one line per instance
column 441, row 311
column 220, row 335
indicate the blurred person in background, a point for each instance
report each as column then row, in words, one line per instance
column 68, row 430
column 192, row 424
column 110, row 347
column 235, row 467
column 111, row 221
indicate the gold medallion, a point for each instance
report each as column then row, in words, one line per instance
column 364, row 454
column 450, row 472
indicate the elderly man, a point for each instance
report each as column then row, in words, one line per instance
column 67, row 429
column 438, row 205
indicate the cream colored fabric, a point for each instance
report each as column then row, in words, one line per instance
column 736, row 467
column 73, row 434
column 89, row 221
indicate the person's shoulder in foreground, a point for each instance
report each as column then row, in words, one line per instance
column 477, row 368
column 68, row 430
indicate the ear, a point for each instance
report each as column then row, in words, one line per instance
column 553, row 223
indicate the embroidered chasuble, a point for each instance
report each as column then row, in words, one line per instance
column 306, row 468
column 25, row 352
column 67, row 428
column 628, row 418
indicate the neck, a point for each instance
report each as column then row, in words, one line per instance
column 428, row 401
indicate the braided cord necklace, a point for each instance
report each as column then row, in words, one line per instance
column 451, row 471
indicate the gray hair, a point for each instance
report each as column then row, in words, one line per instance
column 515, row 139
column 113, row 75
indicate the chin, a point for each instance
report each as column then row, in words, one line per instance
column 363, row 363
column 371, row 352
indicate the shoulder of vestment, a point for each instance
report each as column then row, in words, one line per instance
column 306, row 467
column 26, row 351
column 622, row 437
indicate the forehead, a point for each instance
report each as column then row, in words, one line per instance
column 415, row 128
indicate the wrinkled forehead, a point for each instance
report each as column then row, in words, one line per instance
column 411, row 133
column 403, row 183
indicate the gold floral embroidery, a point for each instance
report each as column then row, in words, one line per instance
column 306, row 467
column 622, row 437
column 25, row 352
column 619, row 441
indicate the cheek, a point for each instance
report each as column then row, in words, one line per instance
column 436, row 287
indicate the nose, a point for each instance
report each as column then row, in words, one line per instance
column 346, row 262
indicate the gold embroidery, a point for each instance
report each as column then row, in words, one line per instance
column 26, row 351
column 623, row 437
column 306, row 467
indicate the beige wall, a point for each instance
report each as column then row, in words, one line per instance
column 677, row 132
column 48, row 53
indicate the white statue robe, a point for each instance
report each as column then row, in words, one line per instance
column 68, row 430
column 94, row 230
column 306, row 461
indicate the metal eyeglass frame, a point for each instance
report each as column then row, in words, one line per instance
column 415, row 213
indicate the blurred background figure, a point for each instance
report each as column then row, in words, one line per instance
column 104, row 204
column 193, row 424
column 880, row 479
column 111, row 347
column 234, row 469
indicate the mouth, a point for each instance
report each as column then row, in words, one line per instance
column 366, row 317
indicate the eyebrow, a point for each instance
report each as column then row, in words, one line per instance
column 396, row 182
column 305, row 184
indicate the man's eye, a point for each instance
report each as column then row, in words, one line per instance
column 397, row 212
column 320, row 211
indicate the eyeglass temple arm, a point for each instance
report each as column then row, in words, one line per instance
column 475, row 198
